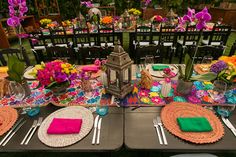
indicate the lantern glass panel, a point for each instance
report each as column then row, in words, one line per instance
column 113, row 77
column 126, row 76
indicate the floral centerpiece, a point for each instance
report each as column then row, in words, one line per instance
column 225, row 68
column 66, row 23
column 44, row 22
column 55, row 75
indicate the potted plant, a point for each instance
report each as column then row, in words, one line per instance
column 185, row 81
column 15, row 72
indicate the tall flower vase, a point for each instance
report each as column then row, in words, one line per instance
column 26, row 88
column 86, row 85
column 166, row 87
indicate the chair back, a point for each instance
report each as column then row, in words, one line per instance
column 59, row 37
column 191, row 35
column 206, row 50
column 81, row 36
column 6, row 53
column 106, row 36
column 89, row 54
column 220, row 34
column 153, row 50
column 63, row 53
column 167, row 34
column 143, row 34
column 37, row 40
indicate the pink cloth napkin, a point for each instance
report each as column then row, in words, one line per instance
column 64, row 126
column 92, row 68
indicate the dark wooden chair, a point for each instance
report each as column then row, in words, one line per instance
column 63, row 53
column 89, row 54
column 21, row 55
column 233, row 49
column 218, row 36
column 106, row 36
column 145, row 50
column 59, row 37
column 143, row 35
column 38, row 43
column 168, row 38
column 205, row 51
column 81, row 37
column 191, row 37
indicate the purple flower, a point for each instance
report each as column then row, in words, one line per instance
column 190, row 15
column 218, row 67
column 13, row 21
column 23, row 35
column 60, row 77
column 34, row 41
column 203, row 17
column 147, row 2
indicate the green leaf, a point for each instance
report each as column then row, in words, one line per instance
column 14, row 76
column 11, row 61
column 19, row 68
column 188, row 67
column 204, row 77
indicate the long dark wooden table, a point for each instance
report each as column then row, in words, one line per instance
column 111, row 135
column 140, row 134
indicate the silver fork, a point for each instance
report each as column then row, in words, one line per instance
column 34, row 129
column 157, row 130
column 31, row 128
column 162, row 130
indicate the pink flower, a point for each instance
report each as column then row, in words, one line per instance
column 156, row 100
column 167, row 70
column 13, row 21
column 97, row 62
column 143, row 93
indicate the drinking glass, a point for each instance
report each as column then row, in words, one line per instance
column 206, row 62
column 17, row 90
column 219, row 90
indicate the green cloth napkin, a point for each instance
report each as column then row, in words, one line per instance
column 194, row 124
column 159, row 67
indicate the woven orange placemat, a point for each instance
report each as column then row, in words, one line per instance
column 171, row 112
column 198, row 69
column 8, row 117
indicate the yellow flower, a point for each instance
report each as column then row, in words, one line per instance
column 153, row 94
column 145, row 100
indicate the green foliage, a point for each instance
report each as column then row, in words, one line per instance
column 188, row 67
column 15, row 69
column 55, row 84
column 204, row 77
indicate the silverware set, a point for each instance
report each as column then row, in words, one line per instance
column 12, row 132
column 160, row 133
column 31, row 131
column 229, row 125
column 97, row 130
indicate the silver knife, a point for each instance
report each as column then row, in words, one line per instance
column 162, row 130
column 8, row 134
column 229, row 125
column 95, row 129
column 31, row 128
column 14, row 132
column 99, row 130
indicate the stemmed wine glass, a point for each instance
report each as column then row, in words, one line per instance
column 206, row 62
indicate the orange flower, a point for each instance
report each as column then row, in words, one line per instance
column 107, row 20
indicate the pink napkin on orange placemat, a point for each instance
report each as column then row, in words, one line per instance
column 64, row 126
column 90, row 68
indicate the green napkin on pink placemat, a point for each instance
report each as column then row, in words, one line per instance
column 194, row 124
column 159, row 67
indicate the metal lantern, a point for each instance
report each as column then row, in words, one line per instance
column 119, row 72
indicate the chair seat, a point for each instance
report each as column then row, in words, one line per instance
column 205, row 42
column 39, row 48
column 167, row 44
column 108, row 44
column 142, row 43
column 181, row 42
column 86, row 44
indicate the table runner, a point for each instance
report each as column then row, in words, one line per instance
column 138, row 97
